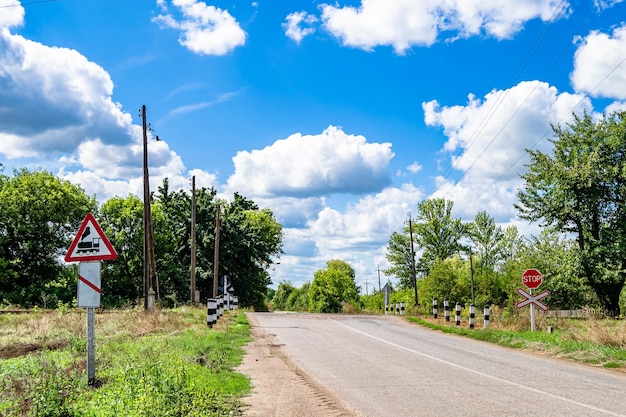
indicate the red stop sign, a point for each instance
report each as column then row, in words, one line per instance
column 532, row 278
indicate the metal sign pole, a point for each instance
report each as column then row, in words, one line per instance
column 91, row 346
column 532, row 314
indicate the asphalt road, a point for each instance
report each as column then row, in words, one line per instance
column 384, row 366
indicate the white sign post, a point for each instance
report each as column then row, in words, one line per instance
column 90, row 246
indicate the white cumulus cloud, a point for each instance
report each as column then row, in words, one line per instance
column 488, row 138
column 52, row 98
column 56, row 106
column 205, row 30
column 600, row 64
column 406, row 23
column 309, row 165
column 294, row 25
column 12, row 14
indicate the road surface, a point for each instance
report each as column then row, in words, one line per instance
column 383, row 366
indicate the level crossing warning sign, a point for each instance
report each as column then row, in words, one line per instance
column 90, row 243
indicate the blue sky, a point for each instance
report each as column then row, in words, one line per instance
column 340, row 117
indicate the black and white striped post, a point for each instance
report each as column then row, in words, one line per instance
column 211, row 310
column 397, row 308
column 457, row 316
column 434, row 307
column 402, row 308
column 471, row 320
column 220, row 306
column 235, row 302
column 446, row 309
column 486, row 312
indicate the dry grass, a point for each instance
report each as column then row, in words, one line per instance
column 606, row 332
column 24, row 333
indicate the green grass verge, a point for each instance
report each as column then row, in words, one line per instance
column 189, row 372
column 560, row 343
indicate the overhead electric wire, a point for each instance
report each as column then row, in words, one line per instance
column 494, row 107
column 28, row 3
column 517, row 110
column 545, row 135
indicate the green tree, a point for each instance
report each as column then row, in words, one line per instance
column 39, row 216
column 400, row 257
column 282, row 294
column 435, row 232
column 448, row 279
column 121, row 220
column 250, row 239
column 331, row 287
column 173, row 242
column 298, row 300
column 488, row 239
column 581, row 188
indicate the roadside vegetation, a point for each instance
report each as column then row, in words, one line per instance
column 167, row 363
column 40, row 215
column 599, row 342
column 170, row 363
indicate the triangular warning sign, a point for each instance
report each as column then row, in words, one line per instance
column 90, row 243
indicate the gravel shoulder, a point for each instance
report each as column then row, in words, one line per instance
column 280, row 387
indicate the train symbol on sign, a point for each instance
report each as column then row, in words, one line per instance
column 89, row 247
column 92, row 246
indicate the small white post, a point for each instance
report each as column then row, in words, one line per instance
column 211, row 306
column 486, row 313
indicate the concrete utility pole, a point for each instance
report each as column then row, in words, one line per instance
column 413, row 260
column 379, row 290
column 216, row 257
column 193, row 241
column 150, row 280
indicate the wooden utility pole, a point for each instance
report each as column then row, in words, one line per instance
column 216, row 257
column 471, row 273
column 150, row 280
column 193, row 240
column 379, row 289
column 413, row 260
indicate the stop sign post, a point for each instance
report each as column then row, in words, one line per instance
column 532, row 279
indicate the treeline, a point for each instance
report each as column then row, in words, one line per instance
column 577, row 193
column 40, row 214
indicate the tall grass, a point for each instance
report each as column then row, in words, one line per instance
column 162, row 364
column 600, row 342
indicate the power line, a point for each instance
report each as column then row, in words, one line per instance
column 545, row 135
column 501, row 99
column 28, row 3
column 492, row 110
